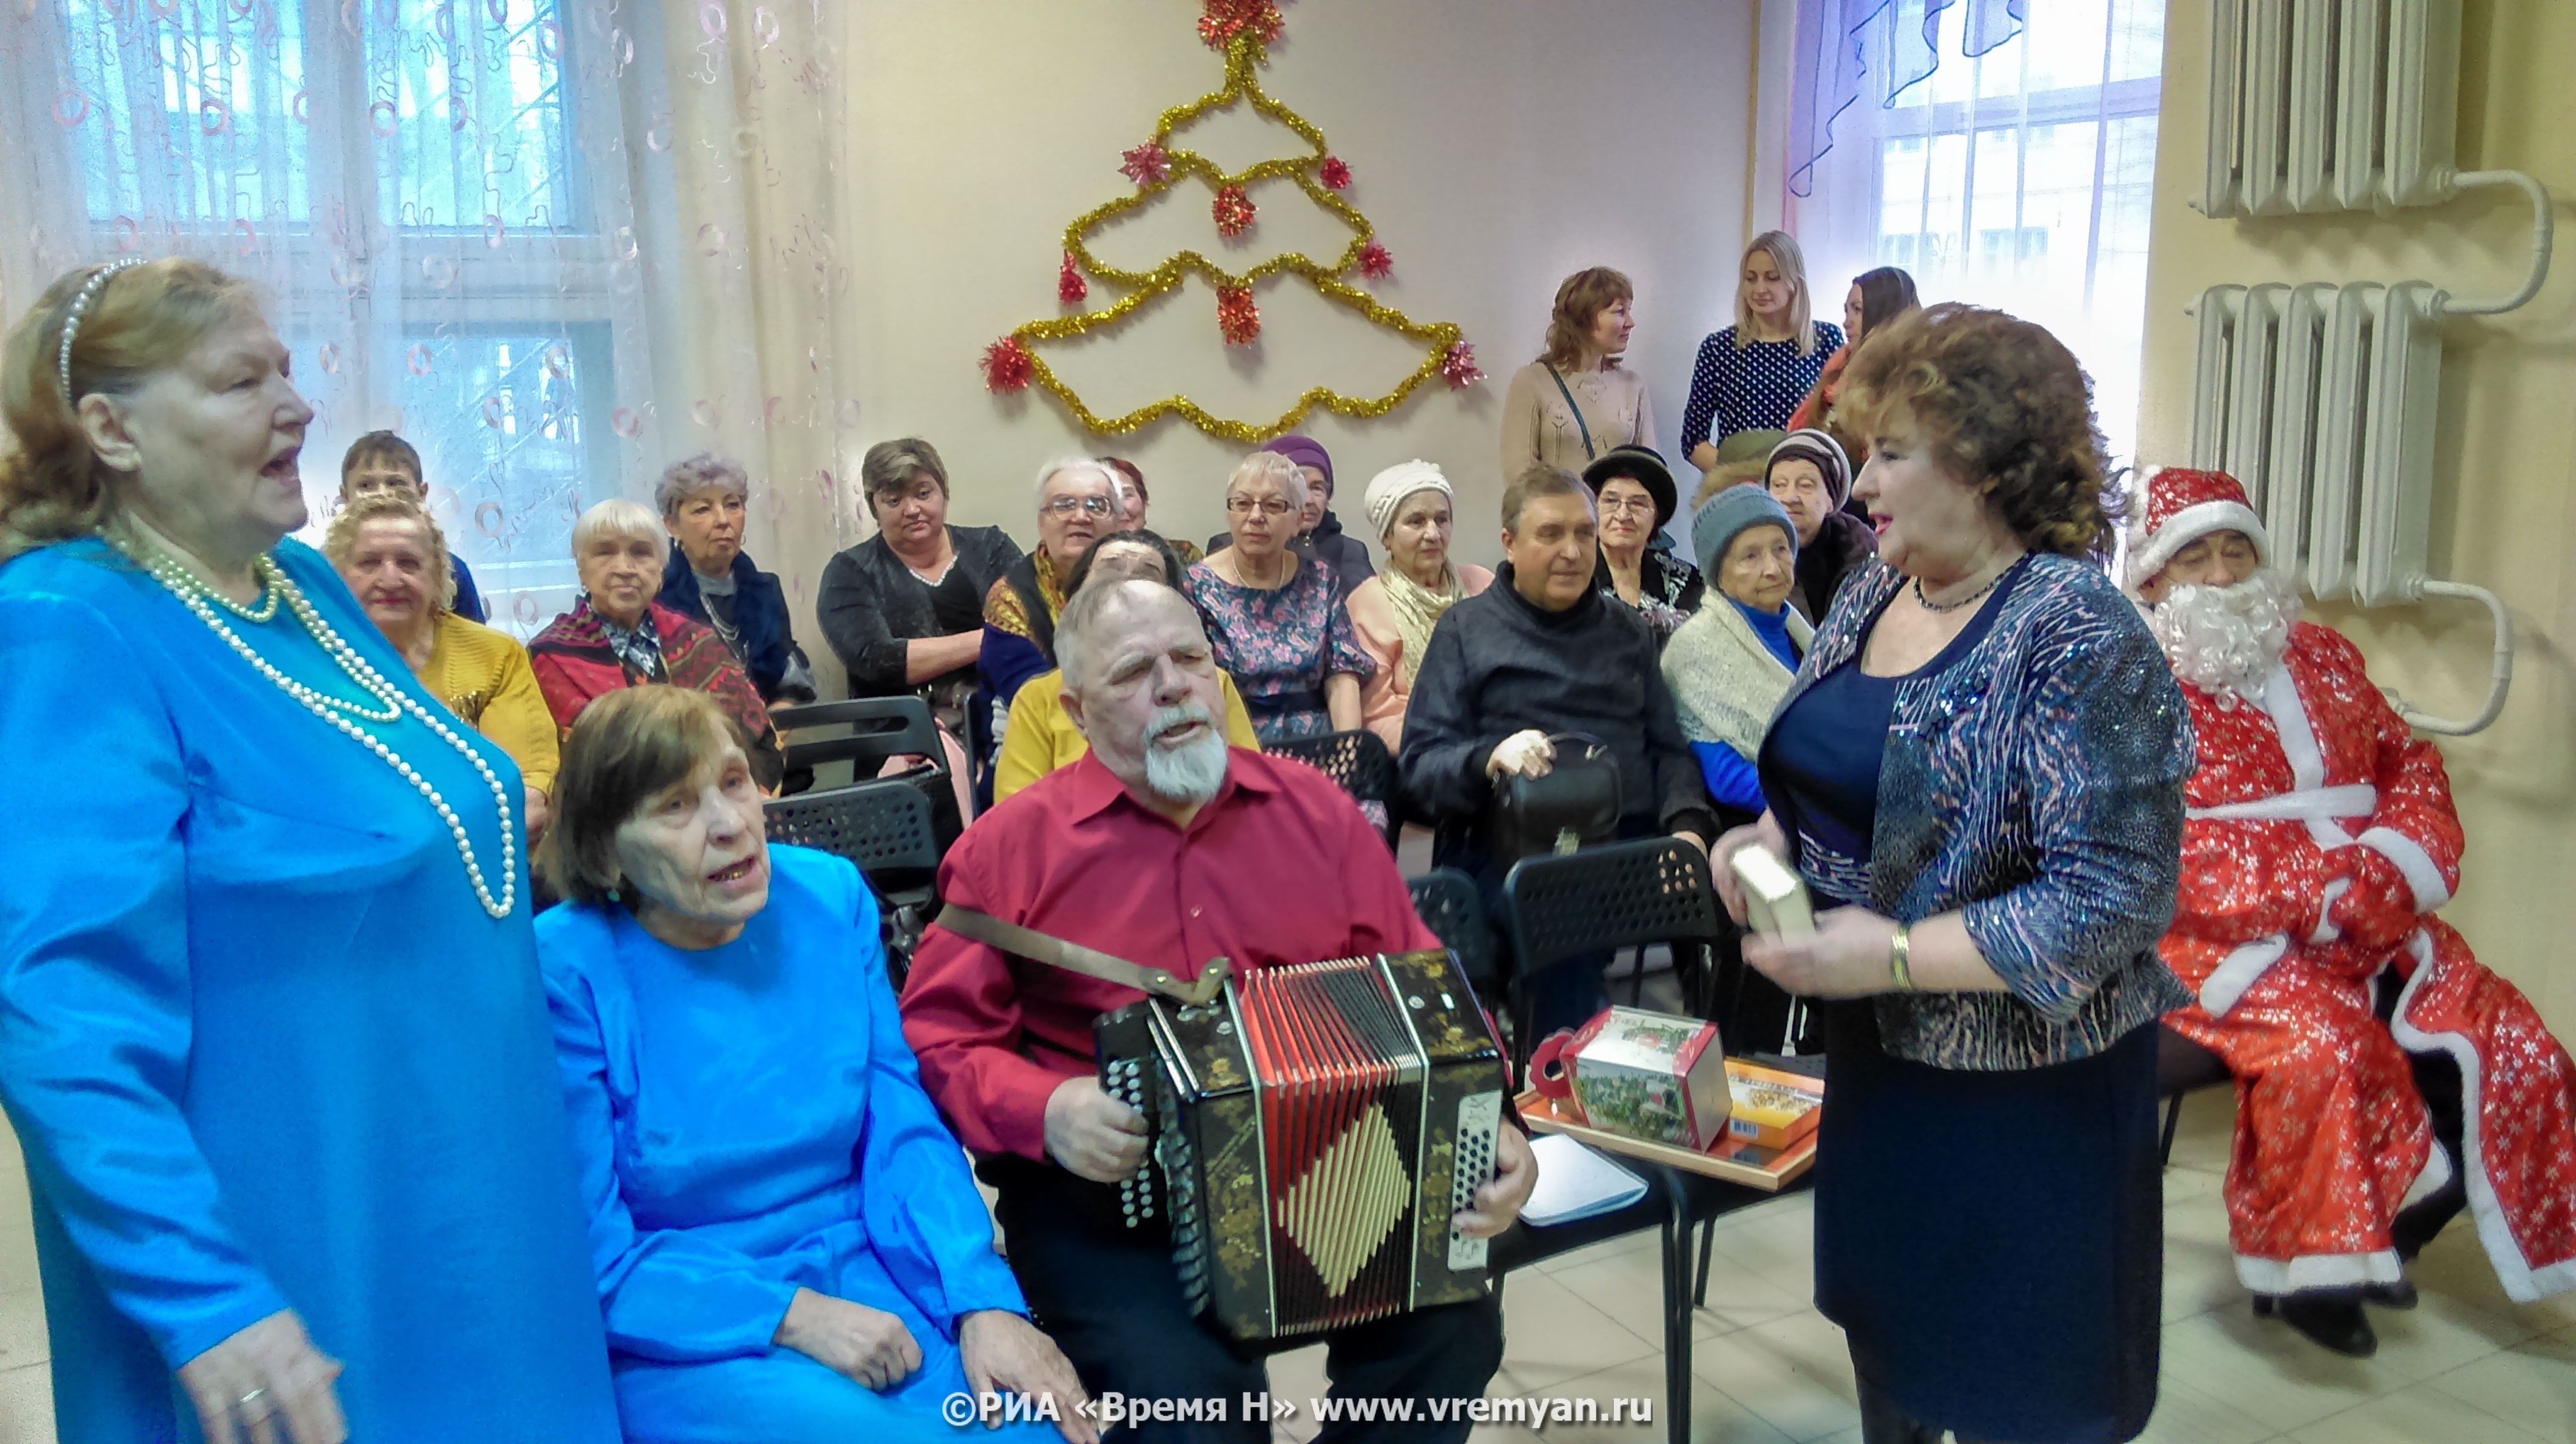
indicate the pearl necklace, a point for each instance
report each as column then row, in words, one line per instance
column 338, row 711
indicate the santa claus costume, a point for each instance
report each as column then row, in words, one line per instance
column 2319, row 841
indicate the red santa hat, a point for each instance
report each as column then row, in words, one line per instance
column 2182, row 507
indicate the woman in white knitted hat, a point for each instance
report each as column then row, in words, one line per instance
column 1395, row 610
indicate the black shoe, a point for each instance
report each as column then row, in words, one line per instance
column 2399, row 1295
column 2332, row 1319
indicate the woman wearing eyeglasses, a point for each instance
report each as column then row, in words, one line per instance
column 1077, row 504
column 1637, row 498
column 1273, row 616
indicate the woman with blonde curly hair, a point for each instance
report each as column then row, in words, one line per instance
column 271, row 1030
column 1980, row 766
column 394, row 560
column 1576, row 401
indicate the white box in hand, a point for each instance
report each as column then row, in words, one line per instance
column 1775, row 900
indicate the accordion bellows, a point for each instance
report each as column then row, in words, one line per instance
column 1314, row 1127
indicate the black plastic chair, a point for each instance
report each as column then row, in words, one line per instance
column 885, row 827
column 1624, row 894
column 1358, row 761
column 1447, row 902
column 878, row 728
column 1627, row 894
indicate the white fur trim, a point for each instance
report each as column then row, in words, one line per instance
column 2423, row 877
column 2299, row 744
column 2522, row 1283
column 2318, row 1271
column 2189, row 525
column 2327, row 932
column 2238, row 971
column 2352, row 799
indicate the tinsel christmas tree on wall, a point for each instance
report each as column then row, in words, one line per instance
column 1243, row 30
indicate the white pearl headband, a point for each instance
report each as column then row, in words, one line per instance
column 80, row 308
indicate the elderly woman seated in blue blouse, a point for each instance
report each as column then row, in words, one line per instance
column 787, row 1242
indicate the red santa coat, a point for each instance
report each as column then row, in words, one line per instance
column 2319, row 839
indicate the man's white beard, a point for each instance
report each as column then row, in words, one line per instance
column 1191, row 772
column 2227, row 640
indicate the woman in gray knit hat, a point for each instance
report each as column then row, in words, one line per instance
column 1811, row 478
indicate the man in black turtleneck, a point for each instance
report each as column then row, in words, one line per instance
column 1536, row 655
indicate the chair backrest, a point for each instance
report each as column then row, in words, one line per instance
column 879, row 728
column 1358, row 761
column 883, row 826
column 1447, row 903
column 1627, row 894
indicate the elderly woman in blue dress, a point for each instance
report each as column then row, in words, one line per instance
column 271, row 1032
column 1276, row 618
column 1981, row 764
column 787, row 1243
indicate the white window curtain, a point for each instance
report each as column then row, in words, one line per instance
column 2001, row 152
column 532, row 236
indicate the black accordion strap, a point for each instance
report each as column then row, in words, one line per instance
column 1075, row 958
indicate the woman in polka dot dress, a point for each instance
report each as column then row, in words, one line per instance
column 1751, row 375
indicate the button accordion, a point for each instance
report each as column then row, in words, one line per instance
column 1312, row 1128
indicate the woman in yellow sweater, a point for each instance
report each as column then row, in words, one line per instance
column 1038, row 738
column 393, row 557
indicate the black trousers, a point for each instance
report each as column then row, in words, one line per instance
column 1110, row 1298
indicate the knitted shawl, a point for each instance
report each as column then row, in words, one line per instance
column 1725, row 683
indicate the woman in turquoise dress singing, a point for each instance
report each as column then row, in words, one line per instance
column 789, row 1247
column 271, row 1029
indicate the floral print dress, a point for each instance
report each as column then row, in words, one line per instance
column 1279, row 646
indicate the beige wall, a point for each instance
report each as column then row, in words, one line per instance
column 1498, row 146
column 2504, row 514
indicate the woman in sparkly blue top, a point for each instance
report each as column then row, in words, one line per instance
column 1980, row 768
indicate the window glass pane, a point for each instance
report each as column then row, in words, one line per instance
column 2020, row 179
column 498, row 415
column 466, row 99
column 200, row 118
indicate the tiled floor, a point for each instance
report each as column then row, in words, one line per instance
column 2468, row 1367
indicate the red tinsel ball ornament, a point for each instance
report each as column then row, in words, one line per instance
column 1070, row 287
column 1459, row 367
column 1146, row 165
column 1222, row 20
column 1336, row 173
column 1374, row 261
column 1008, row 366
column 1233, row 211
column 1236, row 317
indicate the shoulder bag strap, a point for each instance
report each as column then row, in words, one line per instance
column 1584, row 431
column 1075, row 958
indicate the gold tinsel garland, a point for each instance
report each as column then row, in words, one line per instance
column 1244, row 50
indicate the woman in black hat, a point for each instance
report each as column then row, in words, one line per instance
column 1637, row 498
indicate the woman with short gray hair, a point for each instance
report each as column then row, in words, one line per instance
column 703, row 501
column 617, row 636
column 1276, row 621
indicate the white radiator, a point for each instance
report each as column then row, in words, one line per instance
column 2320, row 399
column 2330, row 105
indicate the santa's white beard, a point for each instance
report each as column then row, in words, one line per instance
column 2227, row 640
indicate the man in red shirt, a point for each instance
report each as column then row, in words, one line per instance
column 1164, row 847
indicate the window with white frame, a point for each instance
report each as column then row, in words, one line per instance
column 2019, row 178
column 406, row 178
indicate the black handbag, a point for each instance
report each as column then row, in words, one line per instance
column 1575, row 805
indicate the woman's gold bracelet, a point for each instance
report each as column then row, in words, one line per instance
column 1899, row 954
